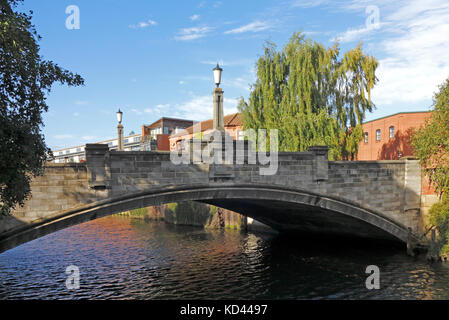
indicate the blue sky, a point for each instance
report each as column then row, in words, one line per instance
column 155, row 58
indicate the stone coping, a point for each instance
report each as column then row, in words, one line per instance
column 65, row 165
column 372, row 162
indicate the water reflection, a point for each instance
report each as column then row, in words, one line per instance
column 123, row 258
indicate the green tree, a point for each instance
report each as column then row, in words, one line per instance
column 431, row 146
column 431, row 142
column 311, row 96
column 25, row 81
column 439, row 219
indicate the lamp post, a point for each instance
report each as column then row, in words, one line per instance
column 120, row 130
column 218, row 123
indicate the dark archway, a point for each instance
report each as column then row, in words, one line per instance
column 284, row 209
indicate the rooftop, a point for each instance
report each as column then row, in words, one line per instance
column 102, row 141
column 231, row 120
column 167, row 118
column 395, row 114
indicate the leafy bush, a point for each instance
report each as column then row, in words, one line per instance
column 138, row 212
column 439, row 217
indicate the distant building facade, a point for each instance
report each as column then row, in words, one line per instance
column 388, row 138
column 233, row 126
column 157, row 134
column 77, row 154
column 153, row 137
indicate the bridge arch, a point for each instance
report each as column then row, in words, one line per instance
column 283, row 208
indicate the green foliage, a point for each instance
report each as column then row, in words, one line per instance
column 138, row 212
column 25, row 81
column 190, row 213
column 431, row 142
column 431, row 145
column 311, row 96
column 172, row 206
column 439, row 217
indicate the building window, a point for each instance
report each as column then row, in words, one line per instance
column 67, row 151
column 126, row 140
column 366, row 137
column 78, row 149
column 378, row 135
column 156, row 131
column 391, row 132
column 165, row 130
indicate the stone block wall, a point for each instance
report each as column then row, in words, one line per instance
column 391, row 188
column 62, row 188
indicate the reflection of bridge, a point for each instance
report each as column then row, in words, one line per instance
column 375, row 199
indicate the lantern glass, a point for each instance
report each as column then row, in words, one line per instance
column 119, row 116
column 217, row 75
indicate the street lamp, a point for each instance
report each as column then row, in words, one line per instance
column 217, row 75
column 218, row 122
column 120, row 130
column 119, row 116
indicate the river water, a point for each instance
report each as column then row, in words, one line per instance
column 123, row 258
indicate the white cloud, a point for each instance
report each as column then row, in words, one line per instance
column 143, row 24
column 181, row 82
column 138, row 112
column 88, row 138
column 308, row 3
column 158, row 108
column 162, row 106
column 413, row 50
column 76, row 114
column 63, row 136
column 201, row 108
column 352, row 34
column 239, row 83
column 214, row 63
column 81, row 102
column 187, row 34
column 236, row 62
column 194, row 17
column 255, row 26
column 417, row 53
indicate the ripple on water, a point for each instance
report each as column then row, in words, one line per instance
column 122, row 258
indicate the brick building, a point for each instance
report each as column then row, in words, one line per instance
column 157, row 133
column 388, row 138
column 232, row 124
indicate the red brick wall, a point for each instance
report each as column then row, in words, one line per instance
column 163, row 142
column 388, row 148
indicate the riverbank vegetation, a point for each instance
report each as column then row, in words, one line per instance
column 190, row 213
column 312, row 95
column 431, row 146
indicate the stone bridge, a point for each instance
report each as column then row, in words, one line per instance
column 308, row 193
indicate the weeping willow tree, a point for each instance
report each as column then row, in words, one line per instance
column 312, row 96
